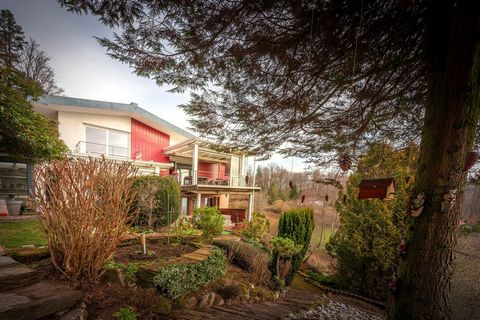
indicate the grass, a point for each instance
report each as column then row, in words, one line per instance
column 316, row 236
column 14, row 234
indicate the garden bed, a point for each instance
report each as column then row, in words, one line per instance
column 155, row 251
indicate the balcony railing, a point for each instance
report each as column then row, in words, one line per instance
column 102, row 149
column 186, row 178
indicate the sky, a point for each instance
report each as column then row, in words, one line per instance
column 83, row 69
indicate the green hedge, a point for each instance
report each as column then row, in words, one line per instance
column 297, row 225
column 166, row 200
column 179, row 279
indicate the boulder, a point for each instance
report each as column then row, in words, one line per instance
column 163, row 306
column 206, row 300
column 191, row 302
column 218, row 301
column 2, row 251
column 75, row 314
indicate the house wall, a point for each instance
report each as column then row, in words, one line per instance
column 149, row 141
column 71, row 125
column 212, row 170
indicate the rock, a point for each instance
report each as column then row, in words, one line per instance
column 163, row 306
column 41, row 300
column 83, row 305
column 190, row 302
column 28, row 246
column 276, row 295
column 2, row 251
column 75, row 314
column 218, row 301
column 207, row 300
column 15, row 275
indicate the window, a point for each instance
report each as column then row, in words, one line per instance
column 107, row 141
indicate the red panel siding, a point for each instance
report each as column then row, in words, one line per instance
column 149, row 142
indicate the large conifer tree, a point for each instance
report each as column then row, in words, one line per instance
column 320, row 78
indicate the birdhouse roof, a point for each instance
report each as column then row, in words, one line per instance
column 376, row 188
column 376, row 183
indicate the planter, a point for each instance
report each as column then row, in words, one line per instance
column 14, row 207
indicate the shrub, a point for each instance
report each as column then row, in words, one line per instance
column 366, row 244
column 324, row 279
column 158, row 201
column 176, row 280
column 257, row 227
column 125, row 314
column 83, row 205
column 210, row 221
column 244, row 254
column 285, row 249
column 229, row 292
column 297, row 225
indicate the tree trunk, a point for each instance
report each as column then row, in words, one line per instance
column 451, row 117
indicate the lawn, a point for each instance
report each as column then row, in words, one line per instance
column 15, row 234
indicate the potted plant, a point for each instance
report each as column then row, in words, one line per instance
column 13, row 205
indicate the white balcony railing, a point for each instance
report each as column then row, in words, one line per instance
column 102, row 149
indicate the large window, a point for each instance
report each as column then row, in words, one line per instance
column 107, row 141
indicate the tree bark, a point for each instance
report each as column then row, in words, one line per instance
column 451, row 118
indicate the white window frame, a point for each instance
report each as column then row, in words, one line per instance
column 107, row 140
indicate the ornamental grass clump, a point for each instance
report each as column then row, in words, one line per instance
column 84, row 207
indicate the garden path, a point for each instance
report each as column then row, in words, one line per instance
column 24, row 296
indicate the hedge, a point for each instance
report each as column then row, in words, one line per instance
column 296, row 224
column 176, row 280
column 166, row 200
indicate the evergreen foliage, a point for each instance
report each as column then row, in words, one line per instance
column 158, row 200
column 365, row 245
column 24, row 134
column 297, row 225
column 177, row 280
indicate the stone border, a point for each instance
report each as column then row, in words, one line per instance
column 341, row 292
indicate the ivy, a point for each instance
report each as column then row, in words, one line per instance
column 177, row 280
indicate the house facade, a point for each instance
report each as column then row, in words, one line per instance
column 126, row 132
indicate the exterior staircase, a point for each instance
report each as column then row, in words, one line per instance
column 25, row 296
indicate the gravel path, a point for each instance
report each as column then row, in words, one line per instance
column 466, row 283
column 333, row 310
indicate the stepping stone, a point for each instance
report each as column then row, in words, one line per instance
column 37, row 301
column 15, row 275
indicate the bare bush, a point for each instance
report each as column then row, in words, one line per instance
column 84, row 208
column 258, row 272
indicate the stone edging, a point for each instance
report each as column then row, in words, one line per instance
column 341, row 292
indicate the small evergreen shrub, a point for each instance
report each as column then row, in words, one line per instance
column 295, row 224
column 158, row 201
column 176, row 280
column 257, row 227
column 210, row 221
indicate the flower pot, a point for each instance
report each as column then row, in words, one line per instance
column 14, row 207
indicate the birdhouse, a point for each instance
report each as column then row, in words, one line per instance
column 376, row 189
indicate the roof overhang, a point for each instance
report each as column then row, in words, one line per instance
column 68, row 104
column 207, row 150
column 216, row 189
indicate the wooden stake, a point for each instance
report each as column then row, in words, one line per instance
column 144, row 244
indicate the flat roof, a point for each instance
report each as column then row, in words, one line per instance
column 113, row 106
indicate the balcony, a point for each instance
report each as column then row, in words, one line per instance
column 212, row 178
column 93, row 148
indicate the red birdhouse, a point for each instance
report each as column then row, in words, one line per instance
column 376, row 189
